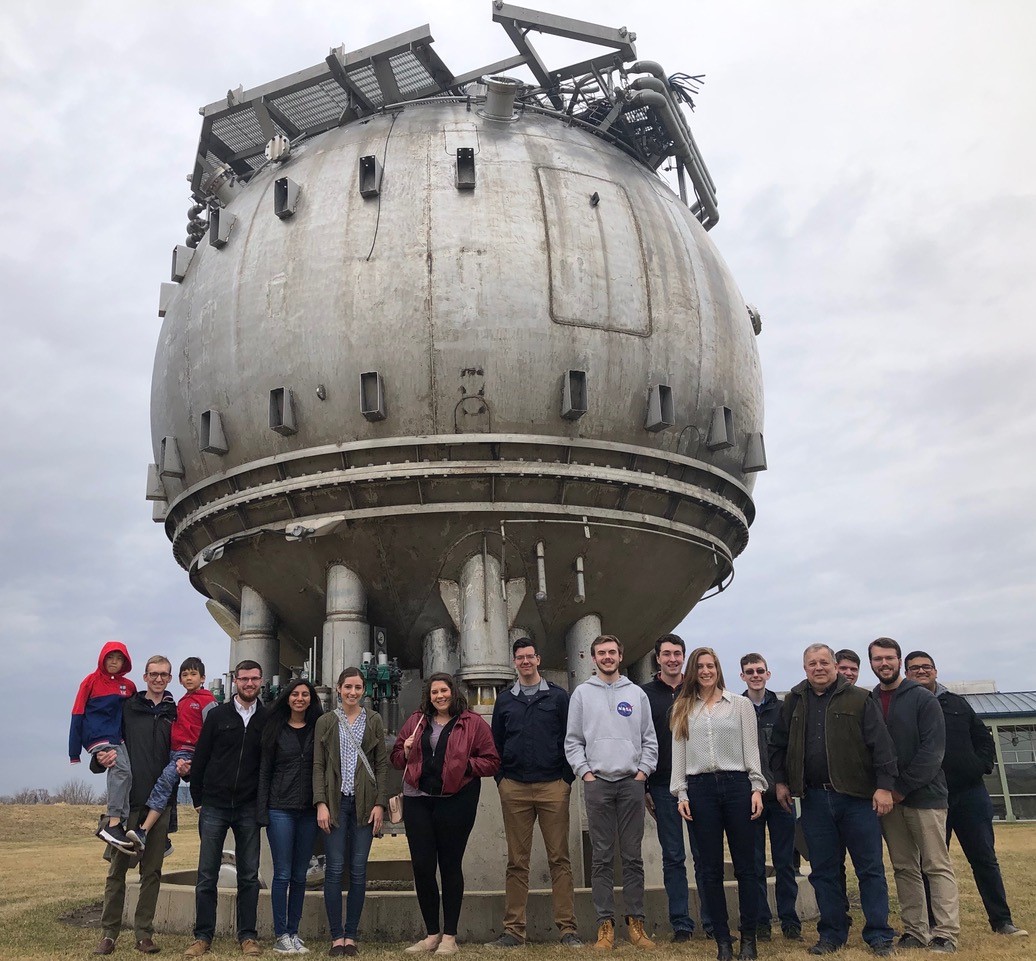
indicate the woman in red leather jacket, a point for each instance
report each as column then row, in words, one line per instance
column 443, row 750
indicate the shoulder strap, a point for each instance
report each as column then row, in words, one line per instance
column 344, row 724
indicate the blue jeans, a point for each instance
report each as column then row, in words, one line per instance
column 781, row 825
column 168, row 781
column 834, row 823
column 721, row 802
column 669, row 826
column 213, row 824
column 353, row 840
column 291, row 835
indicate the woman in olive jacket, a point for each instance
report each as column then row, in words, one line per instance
column 284, row 804
column 351, row 800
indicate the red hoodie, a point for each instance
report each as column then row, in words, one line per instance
column 190, row 713
column 97, row 712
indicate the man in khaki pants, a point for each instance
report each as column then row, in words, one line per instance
column 915, row 828
column 529, row 723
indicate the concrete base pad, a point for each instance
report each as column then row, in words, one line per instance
column 392, row 916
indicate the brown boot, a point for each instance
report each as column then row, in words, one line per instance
column 637, row 936
column 606, row 935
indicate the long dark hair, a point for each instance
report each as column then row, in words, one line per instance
column 279, row 712
column 458, row 705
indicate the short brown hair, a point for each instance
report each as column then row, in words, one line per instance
column 156, row 659
column 753, row 658
column 605, row 639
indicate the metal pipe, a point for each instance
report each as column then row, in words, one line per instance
column 691, row 157
column 440, row 653
column 500, row 94
column 541, row 572
column 580, row 582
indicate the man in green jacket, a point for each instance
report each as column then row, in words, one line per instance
column 831, row 748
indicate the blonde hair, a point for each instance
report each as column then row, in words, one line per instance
column 686, row 701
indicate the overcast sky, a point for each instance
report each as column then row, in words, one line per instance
column 875, row 171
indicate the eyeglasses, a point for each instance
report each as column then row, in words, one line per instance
column 157, row 675
column 249, row 680
column 525, row 657
column 920, row 668
column 749, row 671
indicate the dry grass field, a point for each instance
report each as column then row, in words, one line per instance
column 50, row 866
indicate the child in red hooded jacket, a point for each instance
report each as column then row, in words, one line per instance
column 97, row 726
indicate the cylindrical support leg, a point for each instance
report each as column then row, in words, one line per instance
column 643, row 670
column 440, row 654
column 485, row 651
column 257, row 638
column 578, row 639
column 346, row 631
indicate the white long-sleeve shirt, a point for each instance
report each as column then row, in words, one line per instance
column 723, row 739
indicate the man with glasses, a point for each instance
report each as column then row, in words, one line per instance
column 147, row 720
column 224, row 784
column 534, row 780
column 670, row 653
column 775, row 818
column 915, row 828
column 970, row 755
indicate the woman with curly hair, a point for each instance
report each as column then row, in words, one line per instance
column 443, row 750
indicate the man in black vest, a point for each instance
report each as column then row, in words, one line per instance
column 970, row 755
column 830, row 748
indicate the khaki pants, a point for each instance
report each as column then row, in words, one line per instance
column 150, row 880
column 521, row 805
column 916, row 840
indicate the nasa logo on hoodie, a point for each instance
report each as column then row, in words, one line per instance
column 624, row 708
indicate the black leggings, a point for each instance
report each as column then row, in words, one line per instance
column 437, row 830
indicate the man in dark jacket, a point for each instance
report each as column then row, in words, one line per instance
column 224, row 785
column 915, row 829
column 535, row 783
column 779, row 822
column 670, row 653
column 147, row 719
column 830, row 748
column 970, row 755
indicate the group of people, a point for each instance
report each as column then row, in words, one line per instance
column 904, row 762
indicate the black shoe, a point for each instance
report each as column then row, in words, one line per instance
column 791, row 932
column 116, row 836
column 681, row 937
column 763, row 933
column 942, row 945
column 909, row 942
column 824, row 947
column 724, row 951
column 748, row 950
column 883, row 949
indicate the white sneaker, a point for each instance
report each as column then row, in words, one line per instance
column 284, row 945
column 300, row 945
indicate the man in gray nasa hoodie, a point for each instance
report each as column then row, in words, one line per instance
column 611, row 745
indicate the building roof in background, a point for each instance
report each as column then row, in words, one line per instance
column 1002, row 704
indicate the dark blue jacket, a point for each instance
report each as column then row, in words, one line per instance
column 766, row 715
column 529, row 734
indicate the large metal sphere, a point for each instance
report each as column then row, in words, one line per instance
column 472, row 305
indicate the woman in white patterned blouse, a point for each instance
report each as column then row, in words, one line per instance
column 718, row 784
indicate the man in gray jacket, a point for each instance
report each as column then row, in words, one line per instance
column 915, row 828
column 611, row 745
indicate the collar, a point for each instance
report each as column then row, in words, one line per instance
column 245, row 712
column 941, row 689
column 725, row 695
column 517, row 688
